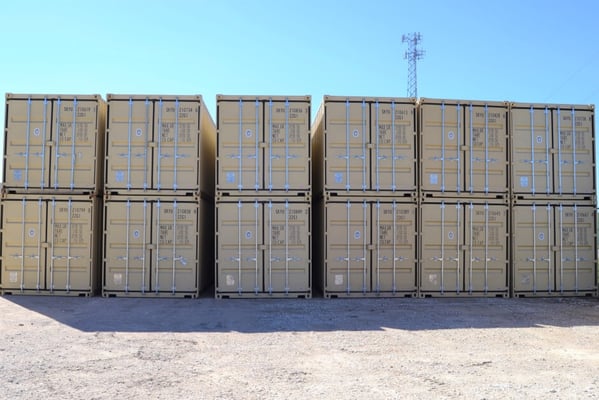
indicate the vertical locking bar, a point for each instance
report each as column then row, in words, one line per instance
column 471, row 150
column 574, row 162
column 470, row 245
column 378, row 247
column 57, row 144
column 70, row 209
column 458, row 157
column 146, row 145
column 576, row 247
column 127, row 247
column 393, row 184
column 52, row 247
column 547, row 162
column 377, row 187
column 257, row 143
column 27, row 150
column 442, row 148
column 270, row 247
column 39, row 244
column 442, row 247
column 561, row 248
column 534, row 248
column 159, row 166
column 240, row 184
column 364, row 245
column 174, row 248
column 559, row 150
column 394, row 247
column 532, row 148
column 364, row 186
column 42, row 180
column 256, row 286
column 348, row 247
column 287, row 144
column 176, row 149
column 487, row 161
column 457, row 275
column 270, row 144
column 486, row 247
column 144, row 250
column 157, row 268
column 23, row 206
column 239, row 263
column 286, row 246
column 129, row 155
column 347, row 147
column 73, row 147
column 549, row 241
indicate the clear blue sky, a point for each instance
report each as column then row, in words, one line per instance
column 528, row 51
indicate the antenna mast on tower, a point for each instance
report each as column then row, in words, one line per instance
column 412, row 55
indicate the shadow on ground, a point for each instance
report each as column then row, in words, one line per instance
column 98, row 314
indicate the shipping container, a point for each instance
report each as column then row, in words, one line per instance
column 554, row 249
column 463, row 149
column 553, row 151
column 365, row 144
column 50, row 244
column 157, row 246
column 263, row 248
column 365, row 247
column 464, row 249
column 159, row 143
column 263, row 145
column 53, row 143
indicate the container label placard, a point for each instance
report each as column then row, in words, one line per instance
column 13, row 276
column 119, row 176
column 524, row 181
column 230, row 280
column 230, row 177
column 117, row 278
column 434, row 179
column 17, row 174
column 338, row 177
column 338, row 279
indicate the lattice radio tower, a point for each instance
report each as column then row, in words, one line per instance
column 412, row 55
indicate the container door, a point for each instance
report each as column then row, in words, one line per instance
column 240, row 133
column 347, row 259
column 441, row 141
column 175, row 258
column 287, row 134
column 486, row 151
column 27, row 156
column 442, row 258
column 239, row 248
column 531, row 151
column 127, row 238
column 176, row 151
column 287, row 253
column 576, row 254
column 533, row 249
column 394, row 256
column 394, row 141
column 347, row 160
column 129, row 159
column 24, row 244
column 486, row 251
column 75, row 137
column 70, row 230
column 574, row 169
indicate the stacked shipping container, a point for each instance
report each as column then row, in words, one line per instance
column 365, row 185
column 159, row 191
column 263, row 186
column 553, row 200
column 51, row 202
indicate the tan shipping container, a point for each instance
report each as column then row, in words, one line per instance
column 263, row 248
column 365, row 144
column 365, row 247
column 156, row 246
column 463, row 148
column 50, row 244
column 263, row 144
column 464, row 249
column 553, row 150
column 53, row 143
column 159, row 143
column 554, row 249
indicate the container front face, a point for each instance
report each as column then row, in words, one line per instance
column 287, row 136
column 239, row 248
column 27, row 158
column 486, row 155
column 70, row 251
column 347, row 237
column 394, row 240
column 75, row 141
column 240, row 127
column 576, row 252
column 127, row 239
column 287, row 253
column 175, row 259
column 442, row 230
column 347, row 160
column 532, row 248
column 176, row 152
column 394, row 151
column 531, row 151
column 24, row 244
column 129, row 158
column 574, row 143
column 486, row 249
column 440, row 141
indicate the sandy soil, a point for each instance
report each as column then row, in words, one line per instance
column 97, row 348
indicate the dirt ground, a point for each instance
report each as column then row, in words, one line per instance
column 97, row 348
